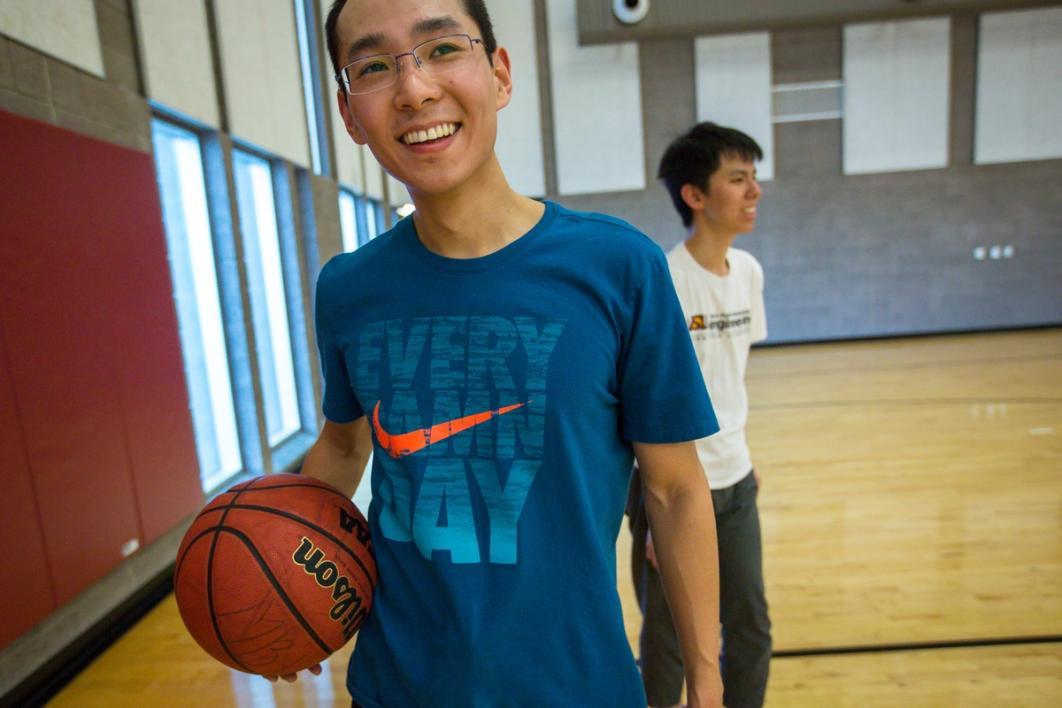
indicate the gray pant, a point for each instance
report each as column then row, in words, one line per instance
column 742, row 603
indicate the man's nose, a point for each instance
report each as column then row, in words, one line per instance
column 414, row 87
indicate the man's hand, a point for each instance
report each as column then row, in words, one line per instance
column 759, row 480
column 292, row 678
column 707, row 695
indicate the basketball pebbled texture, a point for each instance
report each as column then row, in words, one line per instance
column 275, row 574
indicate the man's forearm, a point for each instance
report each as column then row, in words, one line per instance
column 339, row 459
column 683, row 528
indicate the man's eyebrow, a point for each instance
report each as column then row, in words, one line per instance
column 363, row 44
column 376, row 40
column 435, row 24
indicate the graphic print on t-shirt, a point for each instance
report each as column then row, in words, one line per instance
column 413, row 442
column 458, row 407
column 722, row 324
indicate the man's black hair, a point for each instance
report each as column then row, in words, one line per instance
column 476, row 9
column 695, row 156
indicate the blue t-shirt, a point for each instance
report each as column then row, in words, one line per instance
column 504, row 393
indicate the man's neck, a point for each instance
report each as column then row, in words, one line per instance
column 480, row 217
column 708, row 247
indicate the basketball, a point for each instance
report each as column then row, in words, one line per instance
column 275, row 574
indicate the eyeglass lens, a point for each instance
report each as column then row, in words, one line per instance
column 435, row 56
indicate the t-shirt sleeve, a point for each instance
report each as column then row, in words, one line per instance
column 339, row 404
column 759, row 312
column 663, row 398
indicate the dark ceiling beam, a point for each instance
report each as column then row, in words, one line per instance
column 669, row 19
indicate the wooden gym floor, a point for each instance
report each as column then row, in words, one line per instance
column 912, row 514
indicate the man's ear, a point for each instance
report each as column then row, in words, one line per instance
column 503, row 77
column 694, row 197
column 353, row 129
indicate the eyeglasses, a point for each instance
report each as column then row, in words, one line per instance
column 436, row 56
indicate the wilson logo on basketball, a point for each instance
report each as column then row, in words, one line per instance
column 349, row 524
column 348, row 609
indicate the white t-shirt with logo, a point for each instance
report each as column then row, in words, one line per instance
column 725, row 316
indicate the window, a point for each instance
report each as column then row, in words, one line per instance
column 179, row 163
column 310, row 246
column 362, row 219
column 265, row 283
column 305, row 21
column 374, row 219
column 348, row 220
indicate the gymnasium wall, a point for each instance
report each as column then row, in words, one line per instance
column 99, row 471
column 98, row 428
column 67, row 468
column 98, row 457
column 848, row 256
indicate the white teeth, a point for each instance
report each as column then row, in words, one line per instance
column 433, row 133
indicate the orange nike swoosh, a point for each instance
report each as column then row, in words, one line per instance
column 415, row 441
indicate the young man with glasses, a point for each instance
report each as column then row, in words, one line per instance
column 503, row 358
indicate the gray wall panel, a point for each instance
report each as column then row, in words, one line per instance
column 809, row 149
column 963, row 89
column 666, row 68
column 798, row 56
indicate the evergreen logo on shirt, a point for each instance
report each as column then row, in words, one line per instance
column 724, row 324
column 458, row 408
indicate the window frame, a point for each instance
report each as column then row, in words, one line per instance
column 284, row 453
column 163, row 121
column 307, row 41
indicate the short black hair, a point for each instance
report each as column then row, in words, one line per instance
column 476, row 9
column 695, row 156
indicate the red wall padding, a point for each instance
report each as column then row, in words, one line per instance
column 27, row 595
column 86, row 303
column 142, row 320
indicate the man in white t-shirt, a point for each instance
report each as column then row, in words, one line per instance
column 711, row 177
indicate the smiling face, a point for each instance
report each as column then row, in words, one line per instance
column 728, row 204
column 432, row 132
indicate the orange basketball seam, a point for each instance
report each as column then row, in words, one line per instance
column 188, row 549
column 315, row 527
column 301, row 485
column 276, row 586
column 210, row 577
